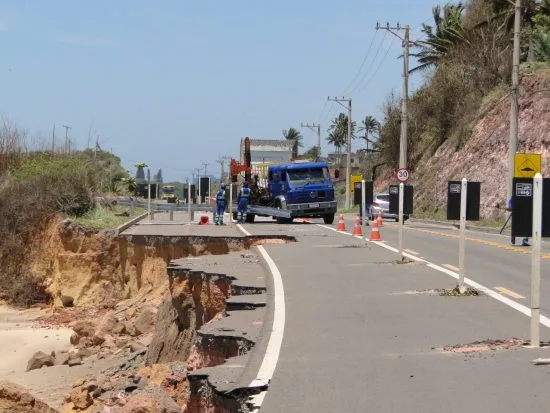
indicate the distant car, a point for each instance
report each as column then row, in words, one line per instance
column 381, row 202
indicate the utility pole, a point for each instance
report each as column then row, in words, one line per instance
column 404, row 99
column 314, row 126
column 67, row 147
column 348, row 151
column 53, row 140
column 514, row 107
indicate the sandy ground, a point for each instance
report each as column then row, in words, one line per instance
column 20, row 338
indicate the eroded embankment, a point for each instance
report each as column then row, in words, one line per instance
column 165, row 333
column 88, row 267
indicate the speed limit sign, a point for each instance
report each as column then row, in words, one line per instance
column 402, row 175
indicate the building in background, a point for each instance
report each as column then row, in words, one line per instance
column 267, row 151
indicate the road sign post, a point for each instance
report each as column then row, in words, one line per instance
column 535, row 260
column 401, row 202
column 462, row 242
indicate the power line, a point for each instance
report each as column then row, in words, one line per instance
column 378, row 67
column 362, row 63
column 371, row 64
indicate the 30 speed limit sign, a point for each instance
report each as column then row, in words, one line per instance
column 403, row 175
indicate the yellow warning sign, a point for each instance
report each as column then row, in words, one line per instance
column 527, row 165
column 355, row 179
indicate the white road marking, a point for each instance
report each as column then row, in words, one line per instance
column 267, row 368
column 509, row 293
column 411, row 252
column 545, row 321
column 451, row 267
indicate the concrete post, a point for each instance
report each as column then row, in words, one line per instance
column 535, row 261
column 462, row 241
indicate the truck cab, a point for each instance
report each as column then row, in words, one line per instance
column 303, row 188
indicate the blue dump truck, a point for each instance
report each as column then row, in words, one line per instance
column 288, row 190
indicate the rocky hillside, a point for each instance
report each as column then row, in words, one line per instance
column 484, row 155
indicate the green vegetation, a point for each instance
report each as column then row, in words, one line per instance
column 466, row 56
column 102, row 217
column 291, row 134
column 35, row 188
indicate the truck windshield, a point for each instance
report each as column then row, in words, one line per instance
column 168, row 190
column 308, row 175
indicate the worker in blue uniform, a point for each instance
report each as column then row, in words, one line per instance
column 242, row 203
column 221, row 203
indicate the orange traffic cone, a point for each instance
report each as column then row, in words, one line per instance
column 357, row 227
column 341, row 224
column 375, row 234
column 379, row 221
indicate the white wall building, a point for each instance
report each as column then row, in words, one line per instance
column 268, row 150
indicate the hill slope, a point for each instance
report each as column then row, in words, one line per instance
column 484, row 156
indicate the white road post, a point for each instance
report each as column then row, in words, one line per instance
column 535, row 261
column 401, row 202
column 231, row 203
column 462, row 242
column 189, row 211
column 149, row 194
column 363, row 202
column 363, row 206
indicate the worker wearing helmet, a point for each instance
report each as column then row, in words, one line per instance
column 242, row 203
column 221, row 202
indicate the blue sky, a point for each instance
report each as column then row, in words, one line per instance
column 178, row 83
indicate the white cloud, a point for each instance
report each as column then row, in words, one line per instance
column 87, row 41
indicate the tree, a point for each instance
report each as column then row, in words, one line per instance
column 140, row 173
column 504, row 12
column 441, row 38
column 338, row 131
column 158, row 177
column 371, row 127
column 293, row 134
column 311, row 153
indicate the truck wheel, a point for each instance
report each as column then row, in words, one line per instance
column 328, row 219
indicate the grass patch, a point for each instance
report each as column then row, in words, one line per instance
column 106, row 218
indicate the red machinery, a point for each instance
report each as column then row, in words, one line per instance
column 237, row 167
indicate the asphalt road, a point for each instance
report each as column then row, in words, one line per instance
column 490, row 259
column 362, row 334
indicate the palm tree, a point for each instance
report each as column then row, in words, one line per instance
column 440, row 39
column 504, row 11
column 293, row 134
column 371, row 127
column 338, row 131
column 337, row 139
